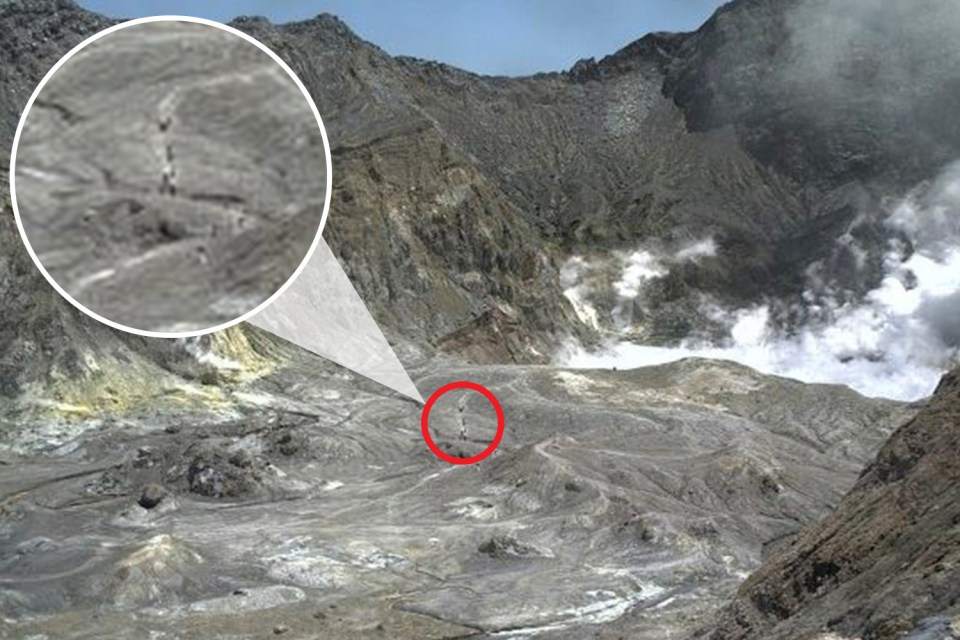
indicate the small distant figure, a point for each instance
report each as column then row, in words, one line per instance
column 462, row 417
column 168, row 180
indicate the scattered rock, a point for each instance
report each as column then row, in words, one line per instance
column 507, row 546
column 151, row 496
column 146, row 458
column 215, row 471
column 107, row 483
column 289, row 442
column 241, row 458
column 573, row 486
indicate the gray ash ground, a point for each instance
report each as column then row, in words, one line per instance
column 171, row 176
column 619, row 504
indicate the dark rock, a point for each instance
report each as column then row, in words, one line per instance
column 895, row 527
column 242, row 458
column 107, row 483
column 146, row 458
column 151, row 496
column 507, row 546
column 290, row 441
column 215, row 471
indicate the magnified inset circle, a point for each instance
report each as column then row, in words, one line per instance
column 170, row 176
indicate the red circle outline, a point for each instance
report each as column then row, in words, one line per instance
column 425, row 421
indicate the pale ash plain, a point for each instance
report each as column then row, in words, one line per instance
column 618, row 503
column 171, row 176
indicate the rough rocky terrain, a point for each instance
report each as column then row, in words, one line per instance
column 886, row 562
column 170, row 176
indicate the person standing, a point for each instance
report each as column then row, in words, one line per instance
column 461, row 416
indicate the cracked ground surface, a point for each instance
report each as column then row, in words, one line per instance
column 171, row 176
column 620, row 504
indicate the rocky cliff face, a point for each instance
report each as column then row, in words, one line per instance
column 886, row 562
column 826, row 92
column 434, row 246
column 748, row 132
column 457, row 196
column 849, row 102
column 398, row 187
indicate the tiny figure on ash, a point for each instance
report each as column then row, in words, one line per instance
column 461, row 417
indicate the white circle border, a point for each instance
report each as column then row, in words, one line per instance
column 326, row 150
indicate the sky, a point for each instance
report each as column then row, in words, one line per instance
column 497, row 37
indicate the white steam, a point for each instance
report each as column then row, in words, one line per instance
column 576, row 288
column 896, row 342
column 639, row 267
column 623, row 275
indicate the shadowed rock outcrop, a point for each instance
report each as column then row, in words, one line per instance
column 886, row 561
column 456, row 195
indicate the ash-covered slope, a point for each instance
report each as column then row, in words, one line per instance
column 620, row 504
column 886, row 561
